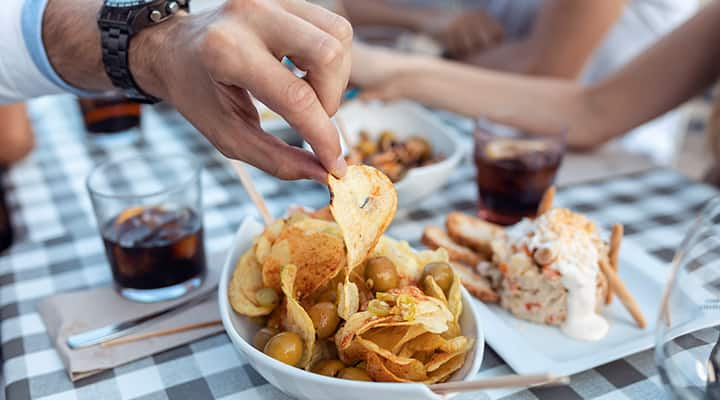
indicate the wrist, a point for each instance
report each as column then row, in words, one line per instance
column 149, row 56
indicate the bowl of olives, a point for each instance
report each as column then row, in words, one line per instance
column 403, row 140
column 276, row 355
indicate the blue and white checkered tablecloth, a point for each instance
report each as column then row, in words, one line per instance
column 58, row 249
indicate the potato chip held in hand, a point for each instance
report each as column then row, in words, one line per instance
column 363, row 204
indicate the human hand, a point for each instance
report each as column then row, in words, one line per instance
column 206, row 64
column 464, row 32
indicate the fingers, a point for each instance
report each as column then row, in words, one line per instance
column 328, row 60
column 279, row 159
column 295, row 99
column 315, row 51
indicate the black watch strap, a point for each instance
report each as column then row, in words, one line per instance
column 115, row 46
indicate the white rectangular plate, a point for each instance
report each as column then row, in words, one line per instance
column 533, row 348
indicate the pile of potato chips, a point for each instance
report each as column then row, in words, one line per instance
column 308, row 279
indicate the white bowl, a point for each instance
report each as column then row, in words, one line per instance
column 301, row 384
column 406, row 119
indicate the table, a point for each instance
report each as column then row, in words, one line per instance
column 58, row 249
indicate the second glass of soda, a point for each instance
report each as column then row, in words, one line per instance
column 148, row 210
column 513, row 171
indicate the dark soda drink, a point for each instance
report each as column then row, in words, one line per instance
column 152, row 248
column 108, row 115
column 513, row 174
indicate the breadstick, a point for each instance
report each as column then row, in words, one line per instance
column 546, row 203
column 614, row 254
column 617, row 286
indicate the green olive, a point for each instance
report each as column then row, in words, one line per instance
column 325, row 319
column 354, row 374
column 383, row 274
column 262, row 337
column 327, row 367
column 286, row 347
column 267, row 297
column 442, row 273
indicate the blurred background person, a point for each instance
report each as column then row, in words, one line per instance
column 16, row 135
column 579, row 40
column 679, row 66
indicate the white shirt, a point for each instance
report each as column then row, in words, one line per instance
column 640, row 25
column 25, row 71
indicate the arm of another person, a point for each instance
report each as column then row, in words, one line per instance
column 380, row 12
column 562, row 39
column 676, row 68
column 460, row 31
column 204, row 64
column 16, row 135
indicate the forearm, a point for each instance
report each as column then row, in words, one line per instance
column 672, row 71
column 539, row 105
column 72, row 42
column 514, row 57
column 380, row 12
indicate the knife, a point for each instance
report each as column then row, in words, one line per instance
column 113, row 331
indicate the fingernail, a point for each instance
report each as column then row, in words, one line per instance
column 340, row 167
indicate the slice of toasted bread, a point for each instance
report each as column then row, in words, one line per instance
column 434, row 237
column 472, row 232
column 477, row 285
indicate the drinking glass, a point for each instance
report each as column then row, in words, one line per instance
column 111, row 118
column 687, row 350
column 148, row 210
column 514, row 170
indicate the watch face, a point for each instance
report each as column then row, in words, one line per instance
column 127, row 3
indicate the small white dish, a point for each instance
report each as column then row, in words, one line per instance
column 533, row 348
column 406, row 119
column 301, row 384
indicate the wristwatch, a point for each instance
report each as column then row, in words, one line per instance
column 119, row 21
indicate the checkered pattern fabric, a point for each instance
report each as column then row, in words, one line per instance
column 58, row 249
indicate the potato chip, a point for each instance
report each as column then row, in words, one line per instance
column 348, row 300
column 414, row 371
column 430, row 312
column 412, row 332
column 387, row 337
column 426, row 342
column 357, row 324
column 409, row 263
column 454, row 298
column 297, row 320
column 262, row 249
column 245, row 282
column 314, row 246
column 353, row 353
column 432, row 289
column 322, row 350
column 453, row 330
column 363, row 204
column 375, row 367
column 371, row 346
column 456, row 346
column 443, row 372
